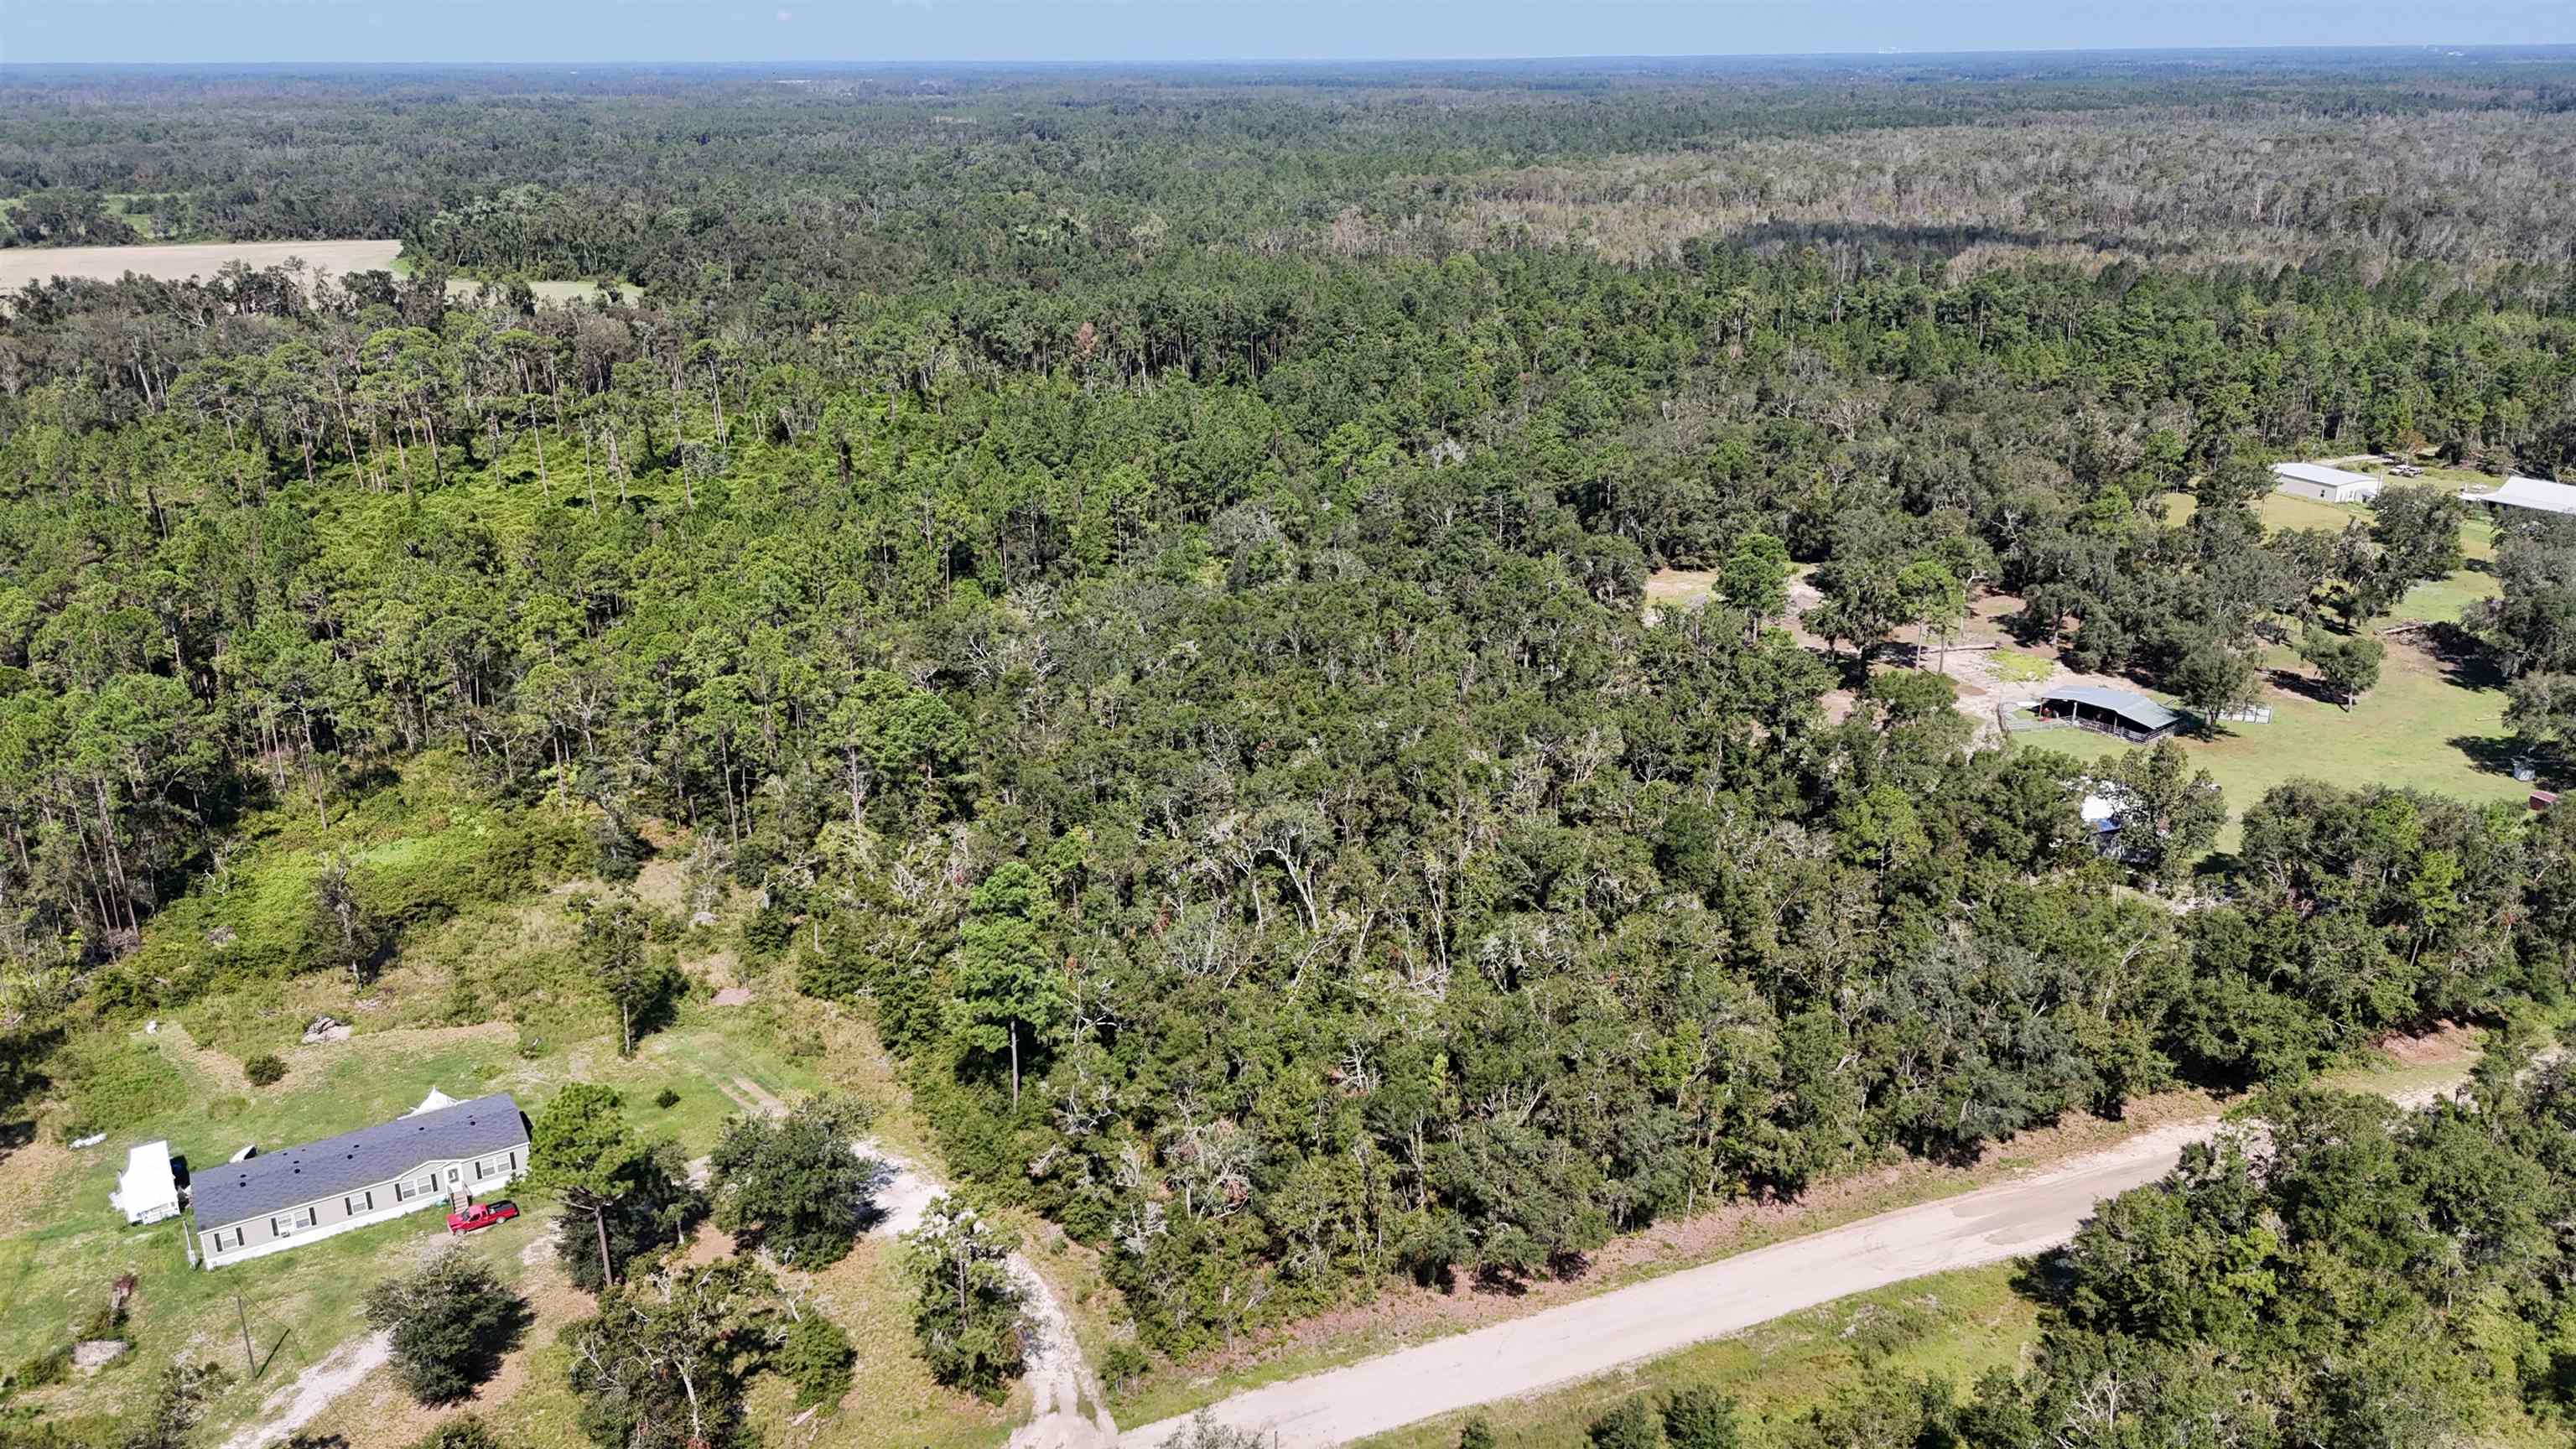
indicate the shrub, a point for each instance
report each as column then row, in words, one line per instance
column 817, row 1358
column 1122, row 1365
column 450, row 1322
column 467, row 1432
column 39, row 1371
column 264, row 1070
column 666, row 1099
column 1632, row 1424
column 1699, row 1417
column 1478, row 1433
column 767, row 932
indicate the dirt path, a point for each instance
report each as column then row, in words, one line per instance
column 1060, row 1383
column 297, row 1404
column 1594, row 1335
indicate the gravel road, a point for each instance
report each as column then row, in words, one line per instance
column 1628, row 1325
column 1578, row 1340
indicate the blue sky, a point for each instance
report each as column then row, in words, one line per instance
column 1174, row 30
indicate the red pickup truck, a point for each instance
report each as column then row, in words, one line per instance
column 481, row 1216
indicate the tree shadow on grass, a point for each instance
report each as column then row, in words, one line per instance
column 2219, row 868
column 2491, row 754
column 2463, row 657
column 2305, row 686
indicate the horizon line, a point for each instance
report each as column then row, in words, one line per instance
column 2446, row 49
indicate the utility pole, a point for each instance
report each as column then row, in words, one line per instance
column 243, row 1319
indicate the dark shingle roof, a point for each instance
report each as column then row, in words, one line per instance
column 353, row 1160
column 2137, row 709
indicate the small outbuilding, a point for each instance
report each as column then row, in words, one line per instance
column 2132, row 717
column 148, row 1190
column 2327, row 485
column 2530, row 495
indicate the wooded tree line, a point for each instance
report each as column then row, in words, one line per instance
column 766, row 181
column 1203, row 704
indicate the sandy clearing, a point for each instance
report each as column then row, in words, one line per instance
column 1647, row 1320
column 297, row 1404
column 21, row 265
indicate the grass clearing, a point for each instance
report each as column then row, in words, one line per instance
column 1956, row 1325
column 2015, row 666
column 2426, row 727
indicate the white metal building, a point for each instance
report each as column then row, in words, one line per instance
column 2538, row 495
column 2329, row 485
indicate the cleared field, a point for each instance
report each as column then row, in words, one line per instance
column 2425, row 727
column 2288, row 510
column 178, row 262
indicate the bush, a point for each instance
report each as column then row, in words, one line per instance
column 1699, row 1417
column 1478, row 1433
column 767, row 932
column 451, row 1322
column 1630, row 1425
column 666, row 1099
column 264, row 1070
column 467, row 1432
column 39, row 1371
column 1122, row 1365
column 817, row 1358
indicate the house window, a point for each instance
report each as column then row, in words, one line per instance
column 227, row 1239
column 294, row 1222
column 359, row 1202
column 482, row 1170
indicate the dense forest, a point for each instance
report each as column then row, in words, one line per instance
column 1144, row 577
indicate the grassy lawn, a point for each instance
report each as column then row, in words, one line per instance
column 2014, row 666
column 2443, row 601
column 2422, row 728
column 2288, row 510
column 1956, row 1324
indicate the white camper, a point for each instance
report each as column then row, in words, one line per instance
column 148, row 1191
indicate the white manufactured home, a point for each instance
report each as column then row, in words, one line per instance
column 2329, row 485
column 268, row 1204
